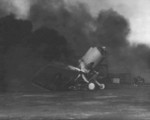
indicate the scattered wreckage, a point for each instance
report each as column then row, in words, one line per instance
column 59, row 76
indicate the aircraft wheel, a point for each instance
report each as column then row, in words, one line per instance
column 91, row 86
column 102, row 86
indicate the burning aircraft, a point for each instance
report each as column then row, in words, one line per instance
column 84, row 76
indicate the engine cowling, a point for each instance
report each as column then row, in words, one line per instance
column 93, row 55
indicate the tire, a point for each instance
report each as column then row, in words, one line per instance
column 91, row 86
column 102, row 86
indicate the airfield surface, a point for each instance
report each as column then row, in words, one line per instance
column 131, row 103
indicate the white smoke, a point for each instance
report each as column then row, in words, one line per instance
column 20, row 8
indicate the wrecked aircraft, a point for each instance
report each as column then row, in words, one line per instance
column 59, row 76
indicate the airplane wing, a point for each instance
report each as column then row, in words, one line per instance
column 55, row 76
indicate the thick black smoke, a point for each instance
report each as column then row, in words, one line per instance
column 12, row 32
column 71, row 22
column 112, row 29
column 24, row 51
column 112, row 32
column 60, row 31
column 27, row 48
column 49, row 44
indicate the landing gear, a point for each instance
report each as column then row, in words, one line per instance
column 91, row 86
column 94, row 86
column 102, row 86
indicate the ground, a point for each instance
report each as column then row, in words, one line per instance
column 124, row 103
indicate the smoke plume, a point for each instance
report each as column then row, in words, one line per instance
column 124, row 27
column 83, row 23
column 20, row 8
column 135, row 11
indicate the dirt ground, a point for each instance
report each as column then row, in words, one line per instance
column 129, row 103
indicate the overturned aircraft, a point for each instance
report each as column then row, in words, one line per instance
column 84, row 76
